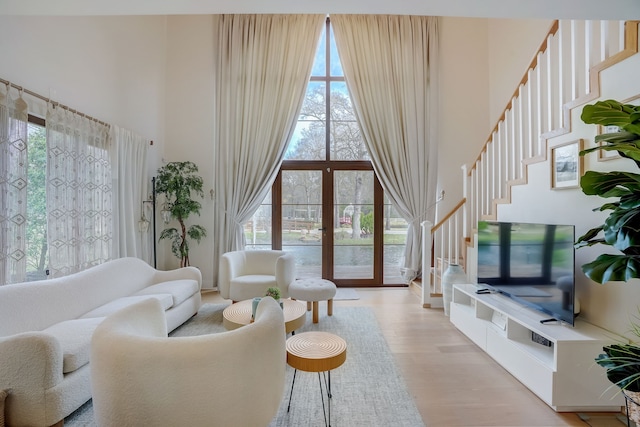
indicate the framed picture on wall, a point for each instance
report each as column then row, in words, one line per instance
column 566, row 165
column 607, row 155
column 611, row 155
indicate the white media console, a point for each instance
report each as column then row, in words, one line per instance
column 558, row 366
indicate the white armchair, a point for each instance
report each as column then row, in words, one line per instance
column 141, row 377
column 248, row 274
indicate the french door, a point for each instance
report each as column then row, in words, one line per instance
column 326, row 217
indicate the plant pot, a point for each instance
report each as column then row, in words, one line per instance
column 633, row 405
column 453, row 275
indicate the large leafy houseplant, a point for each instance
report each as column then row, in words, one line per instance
column 621, row 229
column 178, row 181
column 622, row 362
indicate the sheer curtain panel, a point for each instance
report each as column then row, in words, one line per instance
column 262, row 66
column 390, row 66
column 130, row 188
column 13, row 188
column 79, row 193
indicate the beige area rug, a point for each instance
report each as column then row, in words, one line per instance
column 343, row 294
column 368, row 389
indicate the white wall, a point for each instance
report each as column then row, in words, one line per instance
column 482, row 62
column 189, row 121
column 111, row 68
column 464, row 91
column 611, row 304
column 513, row 43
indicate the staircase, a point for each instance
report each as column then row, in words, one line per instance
column 563, row 75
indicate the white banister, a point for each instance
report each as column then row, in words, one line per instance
column 558, row 79
column 465, row 208
column 426, row 263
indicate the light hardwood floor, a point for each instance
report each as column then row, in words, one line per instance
column 452, row 382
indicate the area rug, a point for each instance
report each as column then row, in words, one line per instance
column 343, row 294
column 368, row 389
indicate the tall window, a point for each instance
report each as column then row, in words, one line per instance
column 327, row 127
column 56, row 208
column 327, row 138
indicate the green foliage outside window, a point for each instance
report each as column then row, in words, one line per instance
column 36, row 231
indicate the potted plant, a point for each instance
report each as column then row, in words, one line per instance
column 621, row 229
column 622, row 362
column 178, row 181
column 274, row 292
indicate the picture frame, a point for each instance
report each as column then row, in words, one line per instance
column 603, row 155
column 567, row 165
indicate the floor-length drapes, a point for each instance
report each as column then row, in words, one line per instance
column 262, row 66
column 13, row 188
column 130, row 188
column 390, row 66
column 79, row 194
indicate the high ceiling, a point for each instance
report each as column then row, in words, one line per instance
column 545, row 9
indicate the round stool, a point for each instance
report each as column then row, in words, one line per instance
column 316, row 352
column 312, row 291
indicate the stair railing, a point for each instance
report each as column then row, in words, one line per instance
column 563, row 75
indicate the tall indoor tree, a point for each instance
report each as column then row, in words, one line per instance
column 178, row 181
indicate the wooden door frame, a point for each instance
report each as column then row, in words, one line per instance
column 327, row 168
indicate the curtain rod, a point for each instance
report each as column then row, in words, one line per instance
column 57, row 104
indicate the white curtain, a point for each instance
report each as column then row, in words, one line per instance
column 13, row 188
column 262, row 66
column 390, row 66
column 79, row 194
column 130, row 188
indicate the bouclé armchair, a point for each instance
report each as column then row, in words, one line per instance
column 141, row 377
column 247, row 274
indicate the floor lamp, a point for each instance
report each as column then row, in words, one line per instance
column 143, row 224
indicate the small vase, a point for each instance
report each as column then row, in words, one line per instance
column 254, row 307
column 453, row 275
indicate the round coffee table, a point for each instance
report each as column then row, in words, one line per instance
column 316, row 352
column 239, row 314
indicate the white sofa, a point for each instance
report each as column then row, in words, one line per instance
column 142, row 378
column 249, row 273
column 46, row 328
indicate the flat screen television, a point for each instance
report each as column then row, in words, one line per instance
column 530, row 263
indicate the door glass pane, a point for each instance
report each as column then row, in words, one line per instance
column 353, row 219
column 395, row 238
column 257, row 231
column 302, row 219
